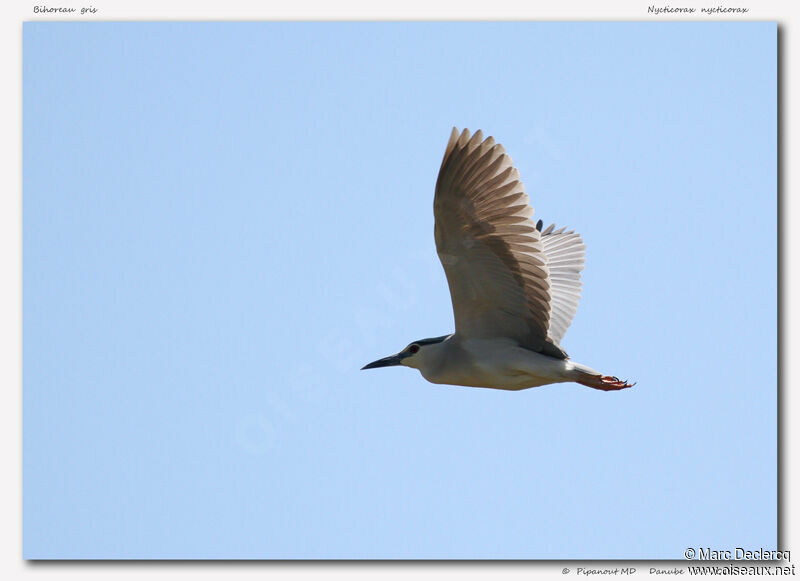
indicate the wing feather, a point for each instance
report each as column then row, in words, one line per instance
column 566, row 254
column 491, row 251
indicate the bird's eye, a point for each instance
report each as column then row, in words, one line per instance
column 414, row 348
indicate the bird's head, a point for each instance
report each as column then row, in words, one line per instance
column 415, row 355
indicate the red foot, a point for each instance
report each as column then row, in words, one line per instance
column 609, row 383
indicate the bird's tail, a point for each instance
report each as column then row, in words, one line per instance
column 596, row 380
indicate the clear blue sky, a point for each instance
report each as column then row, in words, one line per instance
column 224, row 222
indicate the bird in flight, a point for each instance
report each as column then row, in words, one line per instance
column 514, row 285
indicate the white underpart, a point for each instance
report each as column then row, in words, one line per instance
column 497, row 363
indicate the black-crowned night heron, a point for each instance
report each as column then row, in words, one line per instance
column 514, row 286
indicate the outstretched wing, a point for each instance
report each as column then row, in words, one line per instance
column 491, row 251
column 566, row 254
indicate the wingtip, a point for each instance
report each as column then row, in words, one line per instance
column 464, row 136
